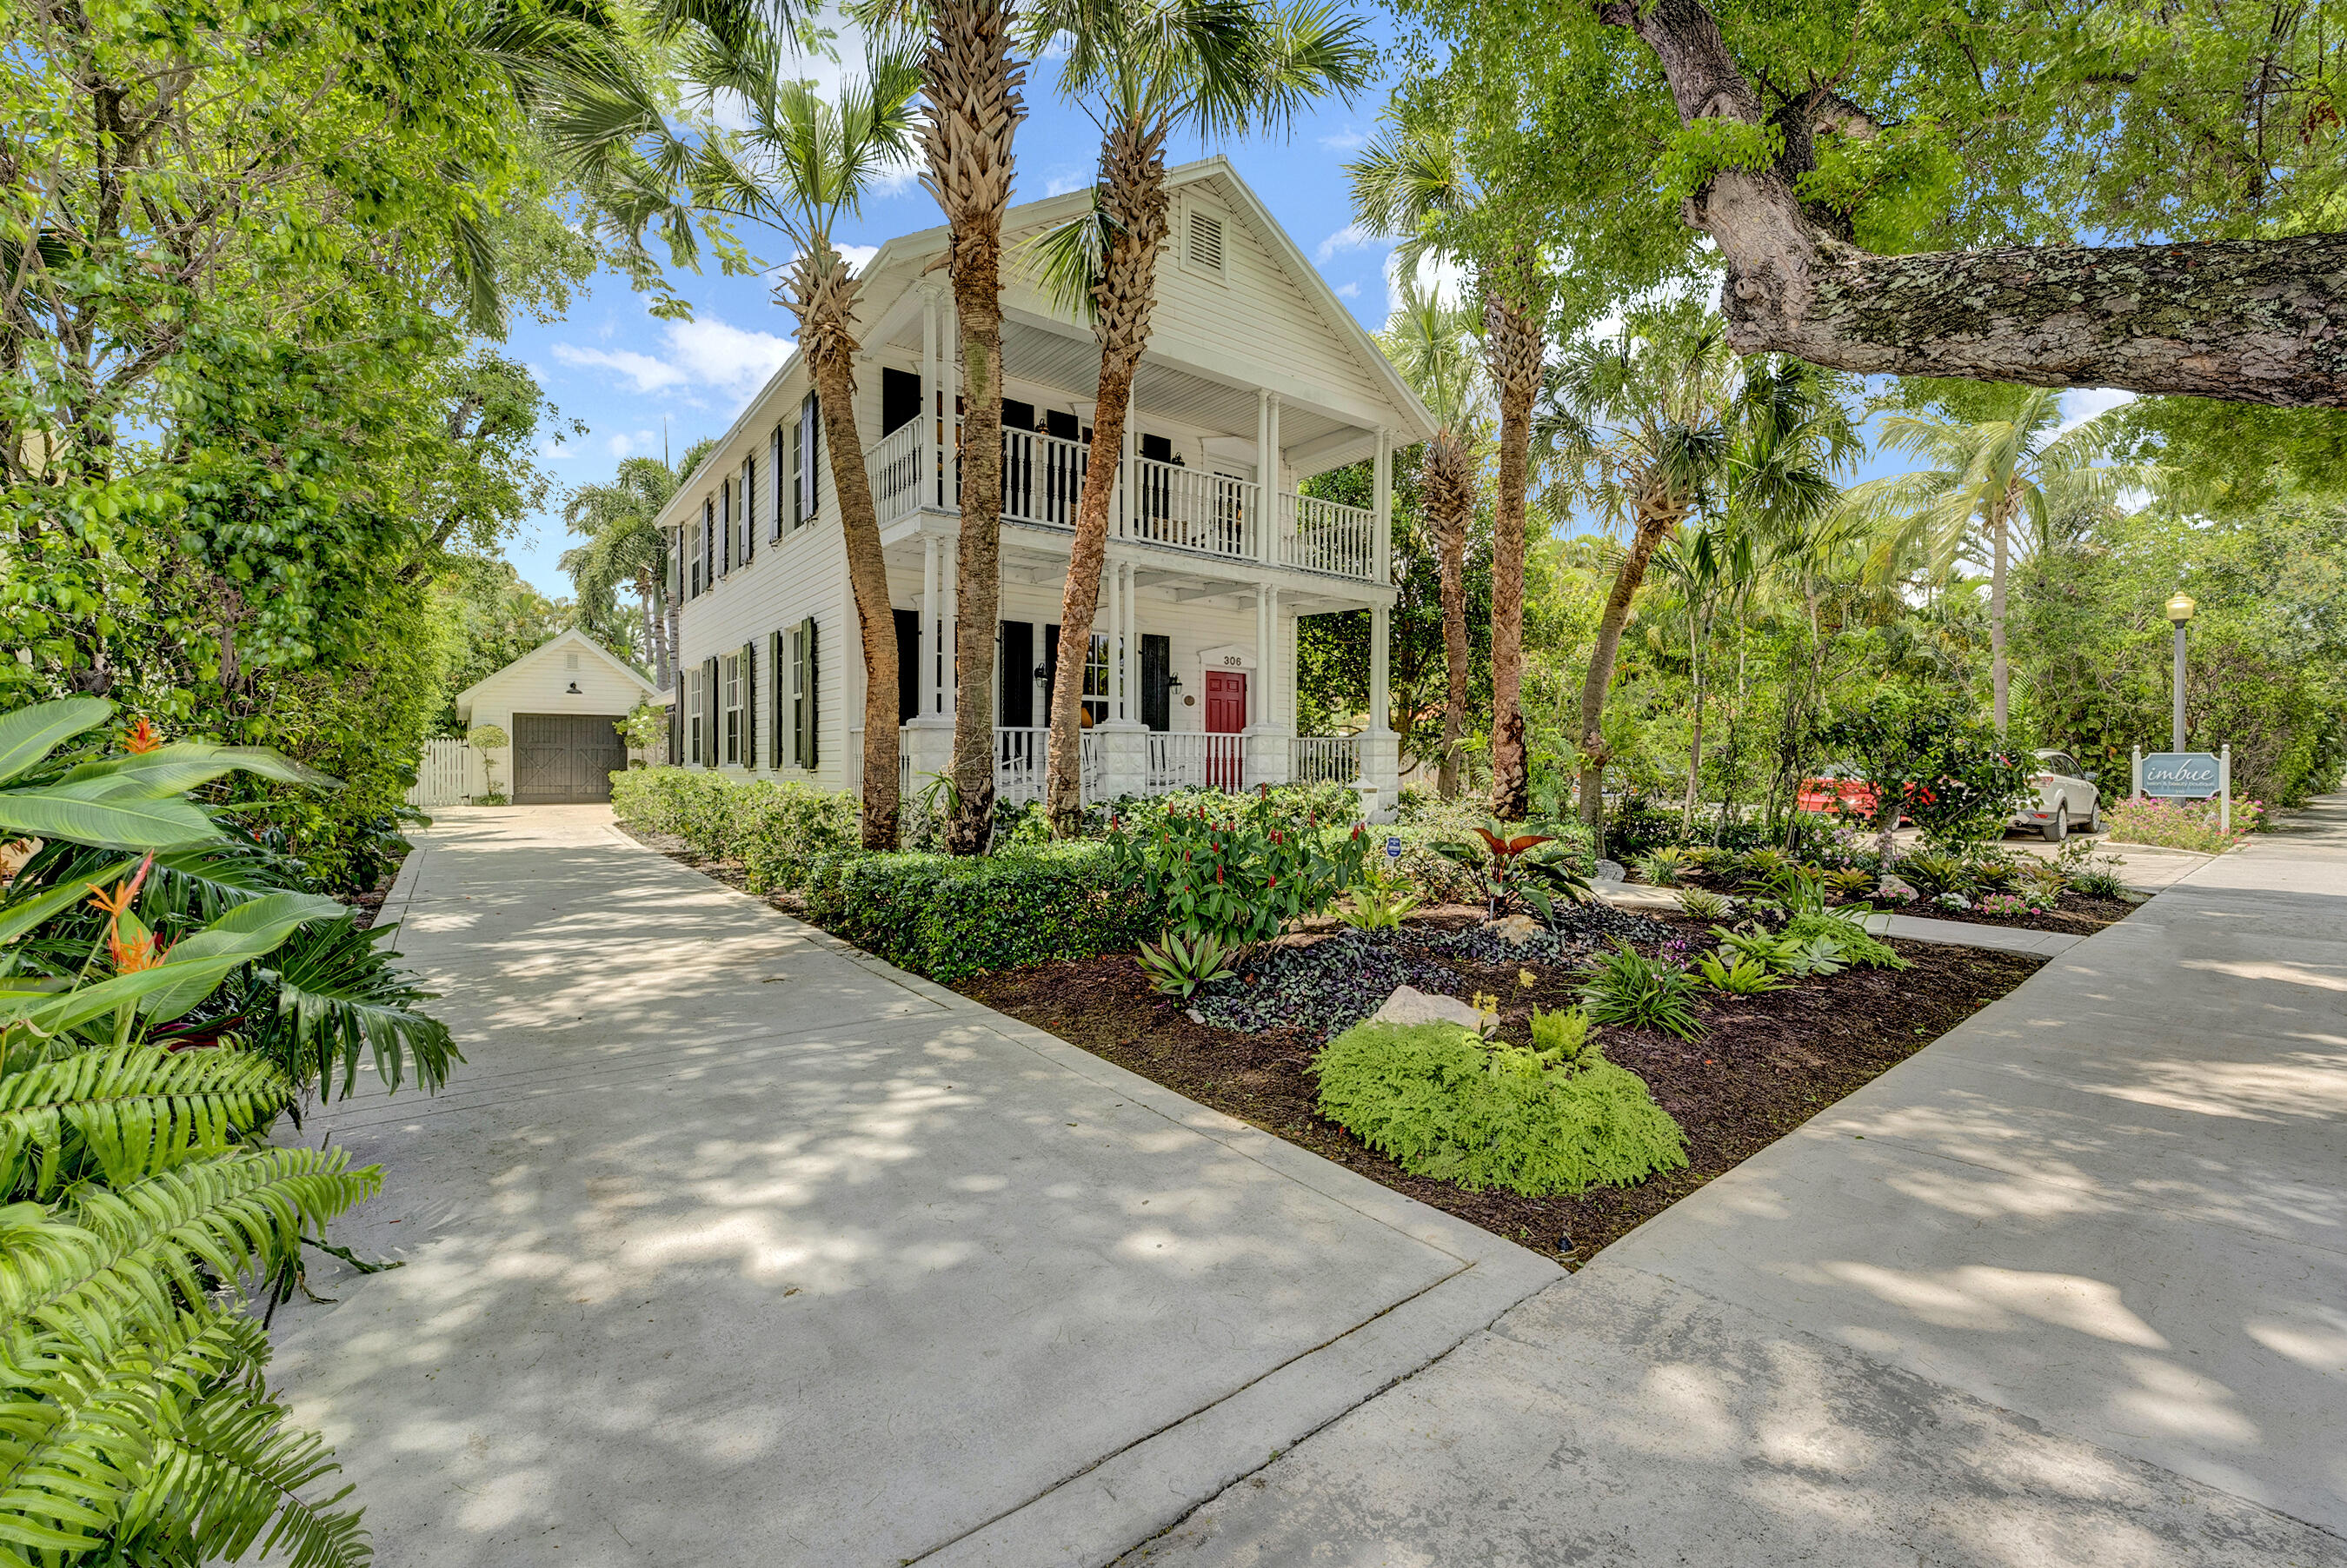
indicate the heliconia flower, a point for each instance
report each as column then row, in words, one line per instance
column 142, row 737
column 128, row 942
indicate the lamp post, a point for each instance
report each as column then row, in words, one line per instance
column 2179, row 616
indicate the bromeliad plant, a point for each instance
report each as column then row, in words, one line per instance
column 138, row 945
column 1178, row 964
column 1528, row 873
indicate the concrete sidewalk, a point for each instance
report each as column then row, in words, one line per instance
column 2067, row 1287
column 733, row 1246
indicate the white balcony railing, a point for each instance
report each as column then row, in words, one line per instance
column 895, row 467
column 1324, row 759
column 1185, row 508
column 1327, row 536
column 1193, row 761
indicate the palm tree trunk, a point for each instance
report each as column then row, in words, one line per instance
column 1652, row 525
column 1133, row 191
column 974, row 110
column 1694, row 737
column 823, row 295
column 1997, row 671
column 647, row 594
column 1449, row 477
column 1511, row 342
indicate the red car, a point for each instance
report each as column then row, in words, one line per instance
column 1835, row 790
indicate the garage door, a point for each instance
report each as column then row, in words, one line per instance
column 565, row 757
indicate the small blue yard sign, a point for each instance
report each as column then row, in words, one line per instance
column 2180, row 775
column 1393, row 847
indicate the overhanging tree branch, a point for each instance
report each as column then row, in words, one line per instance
column 2249, row 321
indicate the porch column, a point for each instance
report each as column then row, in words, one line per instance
column 935, row 464
column 1380, row 651
column 1383, row 548
column 1274, row 512
column 1380, row 776
column 949, row 674
column 927, row 671
column 1121, row 506
column 949, row 388
column 1267, row 737
column 1128, row 644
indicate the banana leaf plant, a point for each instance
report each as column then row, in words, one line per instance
column 1520, row 874
column 143, row 1199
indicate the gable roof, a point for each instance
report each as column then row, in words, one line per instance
column 567, row 636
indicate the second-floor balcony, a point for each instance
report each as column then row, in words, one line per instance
column 1184, row 508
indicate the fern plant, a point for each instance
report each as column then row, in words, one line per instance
column 142, row 1199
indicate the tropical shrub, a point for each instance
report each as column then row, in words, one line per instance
column 143, row 1201
column 1441, row 1102
column 1739, row 975
column 1526, row 873
column 775, row 829
column 1378, row 901
column 1642, row 993
column 2180, row 824
column 946, row 917
column 1952, row 774
column 1703, row 903
column 1851, row 939
column 1239, row 874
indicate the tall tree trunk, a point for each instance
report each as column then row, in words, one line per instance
column 1694, row 736
column 974, row 109
column 647, row 590
column 1447, row 473
column 2000, row 510
column 824, row 298
column 1133, row 193
column 2256, row 321
column 1513, row 345
column 1655, row 521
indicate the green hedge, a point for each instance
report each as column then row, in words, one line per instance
column 776, row 830
column 947, row 918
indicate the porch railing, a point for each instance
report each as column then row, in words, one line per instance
column 853, row 766
column 1324, row 759
column 1168, row 503
column 1327, row 536
column 1022, row 761
column 1190, row 760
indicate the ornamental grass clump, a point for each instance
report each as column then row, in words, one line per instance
column 1439, row 1103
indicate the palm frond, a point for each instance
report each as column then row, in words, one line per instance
column 338, row 996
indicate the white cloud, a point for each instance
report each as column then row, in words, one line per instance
column 858, row 257
column 1345, row 140
column 627, row 444
column 1446, row 279
column 2079, row 406
column 1347, row 291
column 1067, row 177
column 705, row 355
column 1352, row 237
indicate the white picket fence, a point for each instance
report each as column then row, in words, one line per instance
column 448, row 772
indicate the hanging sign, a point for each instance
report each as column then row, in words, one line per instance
column 2181, row 775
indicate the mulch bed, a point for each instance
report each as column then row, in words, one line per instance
column 1766, row 1064
column 2080, row 917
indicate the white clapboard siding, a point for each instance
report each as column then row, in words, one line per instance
column 447, row 773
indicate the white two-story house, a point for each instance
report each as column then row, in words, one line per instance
column 1258, row 378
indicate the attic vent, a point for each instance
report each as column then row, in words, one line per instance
column 571, row 662
column 1205, row 243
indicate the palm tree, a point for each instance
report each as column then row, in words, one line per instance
column 2019, row 466
column 1432, row 345
column 1147, row 68
column 625, row 548
column 796, row 164
column 1413, row 180
column 1643, row 419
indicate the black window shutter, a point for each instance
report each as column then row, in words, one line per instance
column 724, row 526
column 777, row 463
column 1156, row 677
column 900, row 399
column 1051, row 668
column 749, row 705
column 798, row 469
column 709, row 716
column 1018, row 670
column 750, row 508
column 808, row 728
column 708, row 543
column 675, row 721
column 909, row 663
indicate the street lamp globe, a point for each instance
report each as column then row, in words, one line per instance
column 2181, row 609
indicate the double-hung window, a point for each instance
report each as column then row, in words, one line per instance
column 1096, row 679
column 692, row 545
column 709, row 544
column 806, row 454
column 729, row 732
column 696, row 708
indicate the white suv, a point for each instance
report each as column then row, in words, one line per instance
column 2065, row 797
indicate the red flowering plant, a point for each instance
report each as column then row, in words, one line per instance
column 1238, row 871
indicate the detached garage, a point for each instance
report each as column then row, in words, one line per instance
column 559, row 703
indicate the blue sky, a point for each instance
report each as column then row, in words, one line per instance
column 637, row 383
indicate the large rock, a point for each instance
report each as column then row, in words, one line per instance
column 1516, row 929
column 1410, row 1004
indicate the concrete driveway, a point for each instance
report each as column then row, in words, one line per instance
column 2069, row 1286
column 731, row 1245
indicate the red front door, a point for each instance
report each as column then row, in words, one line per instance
column 1227, row 714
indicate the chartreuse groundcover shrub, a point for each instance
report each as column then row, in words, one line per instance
column 1556, row 1117
column 163, row 998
